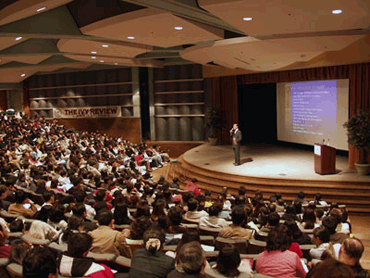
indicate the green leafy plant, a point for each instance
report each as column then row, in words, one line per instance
column 358, row 131
column 213, row 120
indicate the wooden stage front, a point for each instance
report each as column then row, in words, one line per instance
column 271, row 169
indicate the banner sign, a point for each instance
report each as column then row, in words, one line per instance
column 87, row 112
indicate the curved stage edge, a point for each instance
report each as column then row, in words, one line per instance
column 271, row 169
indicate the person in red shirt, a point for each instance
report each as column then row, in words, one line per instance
column 193, row 187
column 4, row 248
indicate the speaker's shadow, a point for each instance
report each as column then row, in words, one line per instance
column 245, row 160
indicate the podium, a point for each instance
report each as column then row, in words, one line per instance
column 324, row 159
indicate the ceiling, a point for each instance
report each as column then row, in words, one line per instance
column 51, row 36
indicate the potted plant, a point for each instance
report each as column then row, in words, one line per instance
column 358, row 131
column 213, row 122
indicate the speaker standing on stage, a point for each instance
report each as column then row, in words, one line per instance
column 236, row 136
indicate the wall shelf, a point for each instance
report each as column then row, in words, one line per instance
column 177, row 80
column 179, row 104
column 179, row 116
column 82, row 85
column 179, row 92
column 81, row 96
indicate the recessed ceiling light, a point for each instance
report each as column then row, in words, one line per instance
column 93, row 52
column 178, row 28
column 41, row 9
column 93, row 57
column 131, row 38
column 105, row 45
column 336, row 11
column 18, row 38
column 247, row 18
column 116, row 64
column 101, row 61
column 23, row 75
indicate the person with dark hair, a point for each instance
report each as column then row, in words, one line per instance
column 105, row 238
column 40, row 262
column 308, row 219
column 23, row 205
column 175, row 183
column 213, row 220
column 16, row 226
column 75, row 225
column 330, row 222
column 100, row 203
column 190, row 262
column 300, row 197
column 235, row 230
column 318, row 200
column 19, row 251
column 229, row 264
column 120, row 214
column 277, row 260
column 175, row 217
column 321, row 237
column 150, row 261
column 81, row 198
column 290, row 212
column 297, row 235
column 273, row 221
column 193, row 212
column 74, row 263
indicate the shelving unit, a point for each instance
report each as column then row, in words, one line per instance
column 179, row 103
column 88, row 89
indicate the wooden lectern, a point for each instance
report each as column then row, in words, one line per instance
column 324, row 159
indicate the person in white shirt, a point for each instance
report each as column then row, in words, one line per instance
column 193, row 212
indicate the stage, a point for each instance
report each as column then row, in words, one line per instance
column 272, row 168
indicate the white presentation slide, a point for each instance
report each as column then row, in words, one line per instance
column 313, row 111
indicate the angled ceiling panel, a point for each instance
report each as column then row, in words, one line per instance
column 29, row 59
column 55, row 22
column 6, row 42
column 23, row 9
column 32, row 46
column 152, row 27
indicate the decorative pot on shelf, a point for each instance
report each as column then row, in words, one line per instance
column 362, row 169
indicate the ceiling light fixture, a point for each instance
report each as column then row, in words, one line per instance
column 116, row 64
column 105, row 45
column 41, row 9
column 23, row 74
column 131, row 38
column 93, row 57
column 178, row 28
column 336, row 11
column 101, row 61
column 18, row 38
column 93, row 52
column 247, row 18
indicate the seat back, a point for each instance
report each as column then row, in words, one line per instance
column 256, row 246
column 262, row 236
column 209, row 231
column 240, row 244
column 306, row 250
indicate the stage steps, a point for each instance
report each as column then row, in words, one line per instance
column 356, row 195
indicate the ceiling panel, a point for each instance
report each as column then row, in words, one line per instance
column 29, row 59
column 290, row 16
column 23, row 9
column 6, row 42
column 152, row 27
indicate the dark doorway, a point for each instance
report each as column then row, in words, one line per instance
column 257, row 113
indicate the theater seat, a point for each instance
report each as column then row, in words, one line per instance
column 256, row 246
column 240, row 244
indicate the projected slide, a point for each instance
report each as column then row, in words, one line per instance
column 314, row 107
column 310, row 112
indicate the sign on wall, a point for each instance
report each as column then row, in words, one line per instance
column 87, row 112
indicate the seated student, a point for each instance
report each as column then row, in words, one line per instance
column 40, row 262
column 74, row 263
column 42, row 230
column 273, row 221
column 105, row 238
column 19, row 251
column 75, row 225
column 331, row 223
column 321, row 237
column 150, row 261
column 229, row 264
column 296, row 233
column 192, row 187
column 100, row 203
column 81, row 198
column 277, row 260
column 4, row 247
column 190, row 262
column 193, row 212
column 80, row 211
column 213, row 220
column 235, row 230
column 22, row 205
column 331, row 268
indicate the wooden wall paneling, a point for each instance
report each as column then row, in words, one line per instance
column 161, row 129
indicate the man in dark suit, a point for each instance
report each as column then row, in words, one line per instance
column 236, row 136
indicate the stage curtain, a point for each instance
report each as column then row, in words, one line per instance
column 3, row 100
column 359, row 91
